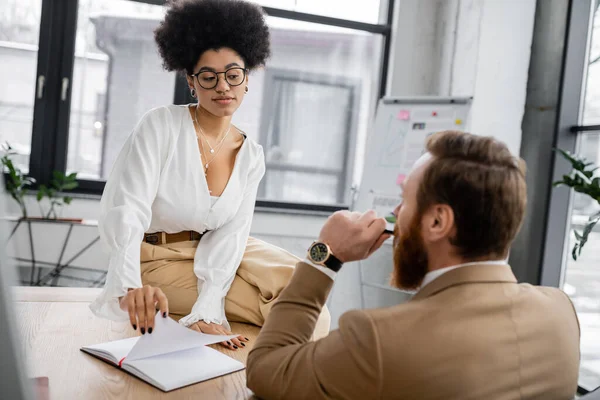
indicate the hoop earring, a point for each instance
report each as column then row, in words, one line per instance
column 193, row 92
column 246, row 90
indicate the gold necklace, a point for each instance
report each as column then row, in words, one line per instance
column 205, row 170
column 206, row 161
column 212, row 150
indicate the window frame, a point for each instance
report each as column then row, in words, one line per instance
column 353, row 86
column 56, row 58
column 567, row 136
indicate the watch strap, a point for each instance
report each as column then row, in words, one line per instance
column 333, row 263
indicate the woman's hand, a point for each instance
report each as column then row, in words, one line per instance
column 216, row 329
column 141, row 306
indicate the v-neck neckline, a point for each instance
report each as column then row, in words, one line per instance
column 199, row 158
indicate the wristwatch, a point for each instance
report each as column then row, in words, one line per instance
column 320, row 253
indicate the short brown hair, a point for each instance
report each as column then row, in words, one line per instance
column 483, row 183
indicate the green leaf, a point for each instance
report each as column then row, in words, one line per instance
column 588, row 229
column 40, row 195
column 72, row 175
column 67, row 200
column 70, row 185
column 58, row 175
column 565, row 155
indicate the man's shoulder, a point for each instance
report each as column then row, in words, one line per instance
column 409, row 316
column 547, row 298
column 545, row 294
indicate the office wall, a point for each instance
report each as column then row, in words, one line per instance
column 476, row 48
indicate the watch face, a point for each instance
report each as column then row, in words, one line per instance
column 318, row 252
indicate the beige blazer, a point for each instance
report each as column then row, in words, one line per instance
column 473, row 333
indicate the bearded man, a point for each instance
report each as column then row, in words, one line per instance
column 469, row 332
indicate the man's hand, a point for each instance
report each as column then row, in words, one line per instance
column 216, row 329
column 353, row 236
column 141, row 305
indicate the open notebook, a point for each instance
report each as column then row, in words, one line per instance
column 171, row 357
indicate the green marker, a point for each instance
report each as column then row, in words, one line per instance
column 391, row 222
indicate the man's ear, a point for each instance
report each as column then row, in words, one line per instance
column 438, row 222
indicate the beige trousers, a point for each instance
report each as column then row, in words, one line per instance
column 263, row 273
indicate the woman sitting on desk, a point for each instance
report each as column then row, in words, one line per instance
column 185, row 186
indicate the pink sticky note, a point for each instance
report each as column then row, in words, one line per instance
column 400, row 179
column 404, row 115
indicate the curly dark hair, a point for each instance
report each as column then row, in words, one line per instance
column 191, row 27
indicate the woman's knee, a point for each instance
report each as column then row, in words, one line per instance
column 268, row 253
column 177, row 281
column 181, row 300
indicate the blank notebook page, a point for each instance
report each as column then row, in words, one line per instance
column 173, row 370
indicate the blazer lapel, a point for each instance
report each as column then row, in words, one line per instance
column 469, row 274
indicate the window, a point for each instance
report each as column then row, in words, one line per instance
column 310, row 108
column 302, row 164
column 298, row 164
column 98, row 72
column 19, row 35
column 117, row 77
column 582, row 277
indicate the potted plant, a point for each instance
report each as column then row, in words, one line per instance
column 49, row 197
column 16, row 182
column 59, row 183
column 582, row 180
column 43, row 269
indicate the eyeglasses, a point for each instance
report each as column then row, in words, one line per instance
column 210, row 79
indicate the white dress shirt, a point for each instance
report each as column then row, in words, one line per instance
column 429, row 277
column 433, row 275
column 329, row 272
column 158, row 185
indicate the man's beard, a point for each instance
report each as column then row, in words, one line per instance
column 410, row 257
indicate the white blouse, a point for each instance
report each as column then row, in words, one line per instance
column 158, row 184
